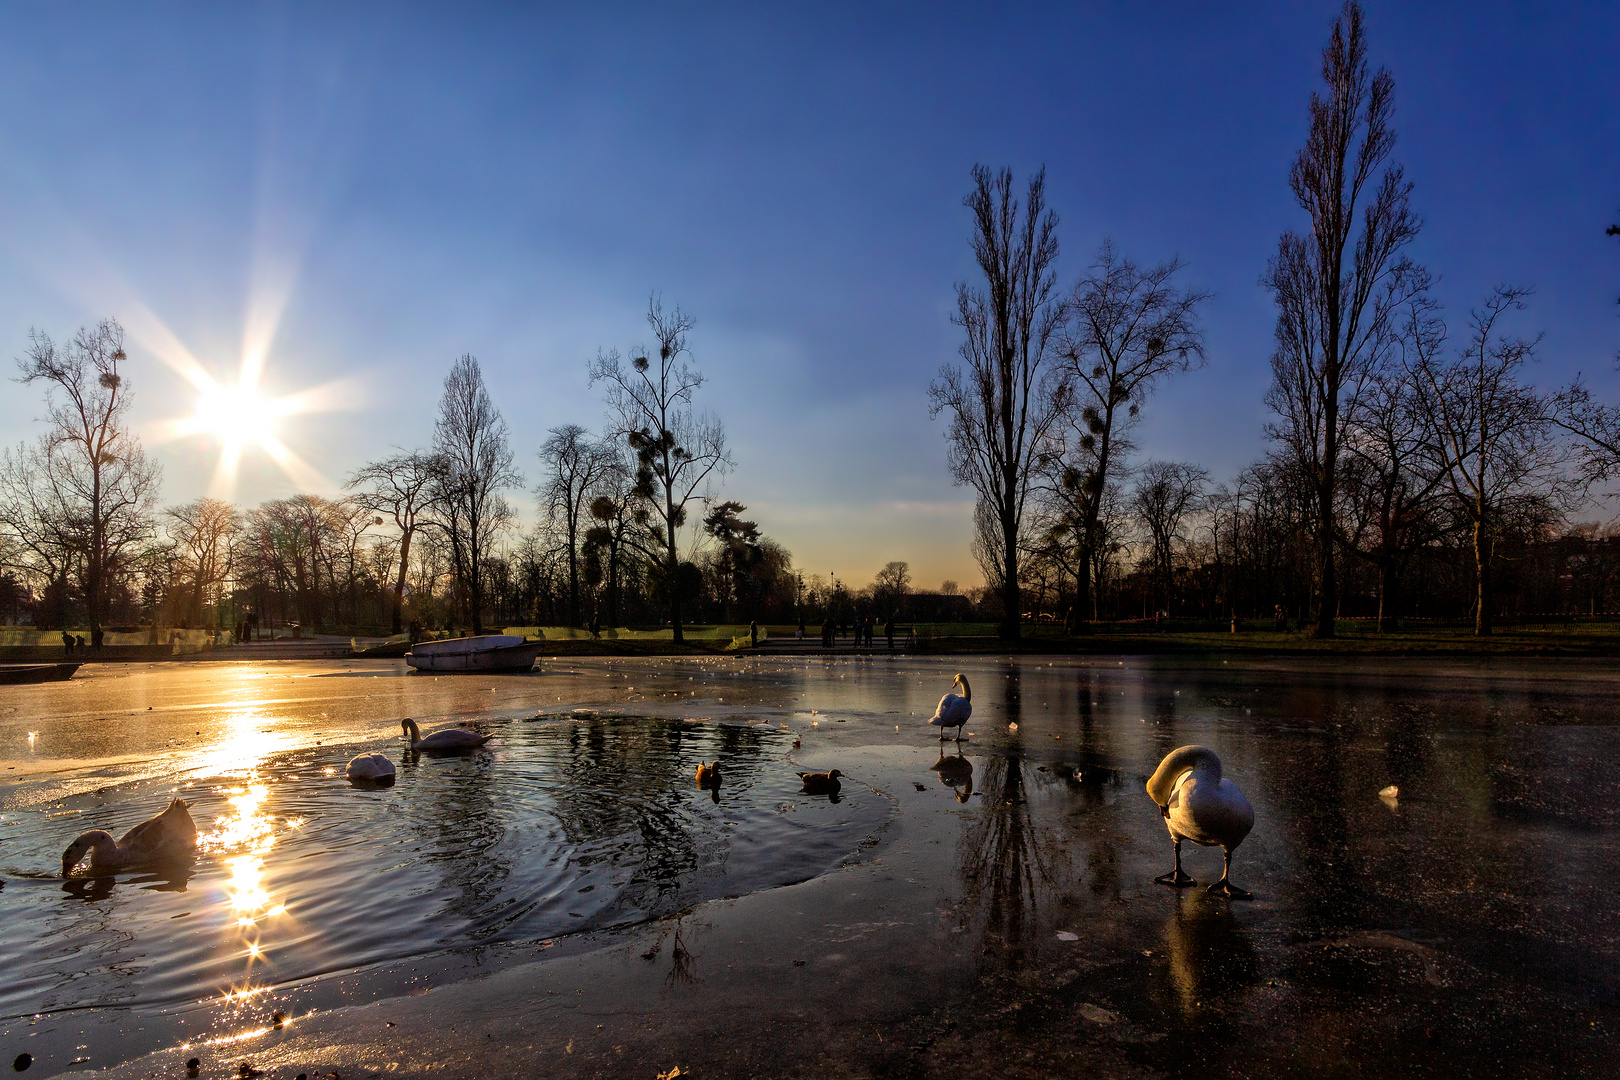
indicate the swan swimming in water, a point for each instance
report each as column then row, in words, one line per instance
column 445, row 739
column 1198, row 805
column 954, row 711
column 170, row 835
column 373, row 767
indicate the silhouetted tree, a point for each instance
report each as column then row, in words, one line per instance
column 401, row 487
column 1166, row 492
column 1394, row 483
column 678, row 450
column 1003, row 408
column 473, row 464
column 204, row 532
column 891, row 585
column 1492, row 434
column 575, row 466
column 1128, row 329
column 1336, row 288
column 91, row 480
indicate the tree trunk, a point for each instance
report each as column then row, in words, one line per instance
column 573, row 575
column 1328, row 585
column 1388, row 595
column 1482, row 576
column 1082, row 591
column 674, row 570
column 399, row 582
column 1011, row 599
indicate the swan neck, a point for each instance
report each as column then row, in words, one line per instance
column 1177, row 763
column 415, row 732
column 967, row 691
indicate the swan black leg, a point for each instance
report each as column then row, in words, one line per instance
column 1224, row 887
column 1177, row 878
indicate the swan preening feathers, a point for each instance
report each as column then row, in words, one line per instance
column 954, row 710
column 373, row 767
column 1198, row 804
column 170, row 835
column 444, row 739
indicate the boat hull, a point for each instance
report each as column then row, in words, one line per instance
column 14, row 674
column 505, row 658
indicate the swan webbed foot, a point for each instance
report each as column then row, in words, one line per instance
column 1177, row 879
column 1224, row 887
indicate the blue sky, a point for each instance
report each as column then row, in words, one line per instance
column 391, row 186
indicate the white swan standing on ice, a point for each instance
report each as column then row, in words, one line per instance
column 170, row 835
column 1198, row 805
column 373, row 767
column 445, row 739
column 954, row 711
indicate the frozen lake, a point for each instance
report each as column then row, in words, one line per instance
column 1470, row 920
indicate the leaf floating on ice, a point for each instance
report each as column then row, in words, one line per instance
column 1097, row 1014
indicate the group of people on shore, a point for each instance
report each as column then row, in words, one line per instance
column 75, row 642
column 865, row 632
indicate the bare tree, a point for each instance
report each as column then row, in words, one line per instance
column 97, row 472
column 402, row 488
column 1492, row 434
column 1004, row 407
column 678, row 450
column 474, row 464
column 1336, row 288
column 204, row 533
column 1393, row 483
column 618, row 520
column 1129, row 328
column 892, row 584
column 575, row 466
column 1166, row 492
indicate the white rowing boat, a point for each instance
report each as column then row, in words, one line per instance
column 487, row 652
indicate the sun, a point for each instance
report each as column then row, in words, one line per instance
column 240, row 415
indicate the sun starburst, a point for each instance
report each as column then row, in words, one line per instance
column 240, row 417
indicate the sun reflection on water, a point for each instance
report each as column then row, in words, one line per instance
column 246, row 836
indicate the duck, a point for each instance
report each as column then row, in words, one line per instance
column 708, row 776
column 1198, row 804
column 821, row 783
column 444, row 739
column 373, row 767
column 954, row 710
column 170, row 835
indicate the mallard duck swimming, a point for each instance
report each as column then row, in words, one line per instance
column 821, row 783
column 444, row 739
column 953, row 711
column 1198, row 805
column 708, row 776
column 170, row 835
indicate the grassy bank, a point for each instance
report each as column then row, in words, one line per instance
column 1354, row 638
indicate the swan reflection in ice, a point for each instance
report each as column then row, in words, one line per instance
column 956, row 773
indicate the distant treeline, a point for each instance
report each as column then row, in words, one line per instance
column 1412, row 470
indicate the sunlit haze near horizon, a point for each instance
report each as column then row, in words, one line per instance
column 339, row 201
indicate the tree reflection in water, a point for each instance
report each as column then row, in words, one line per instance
column 1005, row 862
